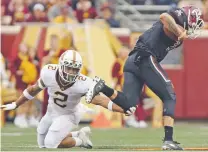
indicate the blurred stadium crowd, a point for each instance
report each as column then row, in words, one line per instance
column 57, row 11
column 22, row 71
column 72, row 11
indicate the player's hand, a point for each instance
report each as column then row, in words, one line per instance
column 183, row 36
column 131, row 111
column 10, row 106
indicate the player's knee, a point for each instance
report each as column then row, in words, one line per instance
column 173, row 97
column 50, row 142
column 169, row 106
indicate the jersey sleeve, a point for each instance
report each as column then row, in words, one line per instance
column 44, row 79
column 179, row 16
column 87, row 82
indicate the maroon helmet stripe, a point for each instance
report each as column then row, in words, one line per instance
column 74, row 56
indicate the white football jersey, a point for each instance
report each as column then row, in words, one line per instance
column 62, row 100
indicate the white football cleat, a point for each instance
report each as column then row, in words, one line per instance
column 87, row 131
column 94, row 89
column 86, row 143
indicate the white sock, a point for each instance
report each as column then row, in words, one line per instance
column 78, row 141
column 75, row 133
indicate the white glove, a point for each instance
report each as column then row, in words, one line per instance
column 10, row 106
column 131, row 111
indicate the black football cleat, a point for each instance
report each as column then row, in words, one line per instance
column 171, row 145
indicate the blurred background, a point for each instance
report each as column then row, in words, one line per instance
column 36, row 32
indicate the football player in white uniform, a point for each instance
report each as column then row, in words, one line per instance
column 66, row 85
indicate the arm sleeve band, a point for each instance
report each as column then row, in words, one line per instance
column 41, row 84
column 27, row 95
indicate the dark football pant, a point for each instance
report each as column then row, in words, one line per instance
column 148, row 71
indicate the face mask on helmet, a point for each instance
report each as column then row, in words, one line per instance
column 195, row 23
column 69, row 70
column 69, row 74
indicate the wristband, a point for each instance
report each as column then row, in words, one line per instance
column 110, row 106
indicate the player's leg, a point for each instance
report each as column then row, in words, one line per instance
column 58, row 132
column 75, row 138
column 157, row 80
column 87, row 131
column 60, row 136
column 69, row 142
column 132, row 88
column 81, row 137
column 42, row 130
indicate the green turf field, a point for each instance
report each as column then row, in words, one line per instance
column 193, row 136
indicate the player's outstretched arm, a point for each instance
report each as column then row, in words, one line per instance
column 105, row 102
column 28, row 94
column 171, row 25
column 117, row 97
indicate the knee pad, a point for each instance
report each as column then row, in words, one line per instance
column 122, row 101
column 169, row 106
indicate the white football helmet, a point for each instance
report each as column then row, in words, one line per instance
column 70, row 64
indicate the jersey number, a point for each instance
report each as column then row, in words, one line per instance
column 61, row 99
column 50, row 67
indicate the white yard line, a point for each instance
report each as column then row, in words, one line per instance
column 12, row 134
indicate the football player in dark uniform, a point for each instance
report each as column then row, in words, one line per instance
column 142, row 66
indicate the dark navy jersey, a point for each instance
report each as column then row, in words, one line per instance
column 155, row 39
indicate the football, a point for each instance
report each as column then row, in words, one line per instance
column 170, row 34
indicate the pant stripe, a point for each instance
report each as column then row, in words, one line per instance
column 160, row 72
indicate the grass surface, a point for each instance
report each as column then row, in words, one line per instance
column 192, row 136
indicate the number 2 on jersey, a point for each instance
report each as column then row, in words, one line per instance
column 51, row 67
column 61, row 99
